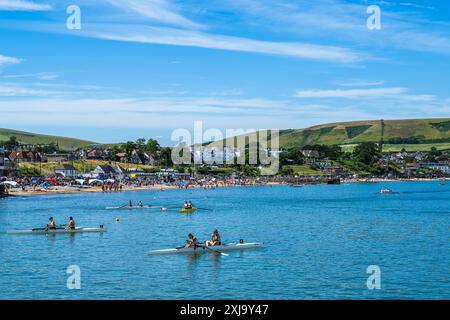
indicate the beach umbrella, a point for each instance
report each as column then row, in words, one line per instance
column 80, row 181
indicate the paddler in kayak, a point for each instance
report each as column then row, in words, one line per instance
column 71, row 224
column 51, row 224
column 215, row 239
column 192, row 241
column 188, row 205
column 140, row 205
column 129, row 205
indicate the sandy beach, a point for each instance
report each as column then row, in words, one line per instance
column 54, row 190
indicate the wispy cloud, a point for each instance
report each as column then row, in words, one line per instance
column 4, row 60
column 359, row 83
column 156, row 10
column 396, row 93
column 421, row 41
column 40, row 76
column 170, row 36
column 351, row 93
column 20, row 91
column 23, row 5
column 404, row 24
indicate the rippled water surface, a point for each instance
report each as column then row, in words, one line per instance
column 319, row 242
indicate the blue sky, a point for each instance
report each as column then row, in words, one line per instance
column 141, row 68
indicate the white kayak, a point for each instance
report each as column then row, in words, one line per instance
column 202, row 248
column 58, row 230
column 131, row 208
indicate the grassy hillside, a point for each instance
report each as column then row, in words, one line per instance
column 33, row 138
column 427, row 131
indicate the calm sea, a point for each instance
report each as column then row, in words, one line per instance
column 319, row 241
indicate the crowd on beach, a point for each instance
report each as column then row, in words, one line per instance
column 23, row 185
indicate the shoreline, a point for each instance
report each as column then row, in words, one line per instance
column 77, row 190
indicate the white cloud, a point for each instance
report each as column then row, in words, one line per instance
column 8, row 60
column 421, row 41
column 156, row 10
column 399, row 94
column 359, row 83
column 170, row 36
column 41, row 76
column 23, row 5
column 15, row 91
column 351, row 93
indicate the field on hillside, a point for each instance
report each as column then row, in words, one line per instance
column 427, row 130
column 407, row 147
column 64, row 143
column 412, row 134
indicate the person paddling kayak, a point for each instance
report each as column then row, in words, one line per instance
column 140, row 205
column 192, row 241
column 71, row 224
column 129, row 205
column 215, row 239
column 51, row 224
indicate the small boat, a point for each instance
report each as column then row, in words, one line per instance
column 130, row 208
column 202, row 248
column 186, row 210
column 386, row 191
column 57, row 230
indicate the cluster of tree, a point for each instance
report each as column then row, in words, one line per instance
column 10, row 144
column 295, row 155
column 13, row 143
column 141, row 146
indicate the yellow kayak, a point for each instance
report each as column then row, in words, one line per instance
column 184, row 210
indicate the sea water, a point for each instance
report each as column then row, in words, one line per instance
column 319, row 242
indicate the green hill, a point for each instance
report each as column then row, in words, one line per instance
column 33, row 138
column 392, row 132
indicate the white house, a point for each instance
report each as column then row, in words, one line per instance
column 66, row 170
column 444, row 167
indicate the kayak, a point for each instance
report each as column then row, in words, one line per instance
column 58, row 230
column 130, row 208
column 201, row 249
column 184, row 210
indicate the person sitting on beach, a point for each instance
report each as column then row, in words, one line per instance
column 71, row 224
column 140, row 205
column 192, row 241
column 51, row 224
column 215, row 239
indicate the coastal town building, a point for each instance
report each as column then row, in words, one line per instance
column 314, row 154
column 444, row 167
column 56, row 157
column 215, row 155
column 109, row 171
column 66, row 170
column 2, row 162
column 24, row 156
